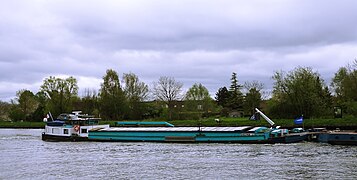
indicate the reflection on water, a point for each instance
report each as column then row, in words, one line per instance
column 25, row 156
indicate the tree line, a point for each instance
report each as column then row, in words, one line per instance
column 301, row 91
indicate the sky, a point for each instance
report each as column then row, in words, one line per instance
column 194, row 41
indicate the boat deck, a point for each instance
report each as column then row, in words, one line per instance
column 177, row 129
column 344, row 132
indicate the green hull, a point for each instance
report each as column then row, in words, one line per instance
column 178, row 135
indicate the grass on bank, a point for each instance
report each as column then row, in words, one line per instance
column 288, row 123
column 8, row 124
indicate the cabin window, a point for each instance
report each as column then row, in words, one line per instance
column 65, row 131
column 55, row 131
column 83, row 130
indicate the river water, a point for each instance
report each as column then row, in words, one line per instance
column 23, row 155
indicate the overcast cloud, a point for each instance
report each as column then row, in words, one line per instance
column 191, row 40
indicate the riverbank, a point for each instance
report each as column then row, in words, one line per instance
column 23, row 125
column 343, row 123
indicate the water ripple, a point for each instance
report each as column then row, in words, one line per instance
column 25, row 156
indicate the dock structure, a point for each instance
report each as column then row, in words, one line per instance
column 338, row 137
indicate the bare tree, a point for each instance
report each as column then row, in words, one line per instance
column 168, row 90
column 253, row 84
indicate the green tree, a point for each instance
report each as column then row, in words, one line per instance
column 16, row 113
column 27, row 102
column 168, row 90
column 60, row 94
column 222, row 97
column 89, row 102
column 344, row 85
column 253, row 97
column 4, row 110
column 300, row 92
column 236, row 96
column 41, row 110
column 198, row 99
column 112, row 99
column 136, row 93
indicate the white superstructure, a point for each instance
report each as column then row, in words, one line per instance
column 74, row 126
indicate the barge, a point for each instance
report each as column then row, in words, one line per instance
column 80, row 127
column 243, row 134
column 132, row 131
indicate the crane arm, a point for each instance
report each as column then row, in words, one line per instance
column 265, row 117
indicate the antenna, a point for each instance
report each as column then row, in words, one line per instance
column 50, row 115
